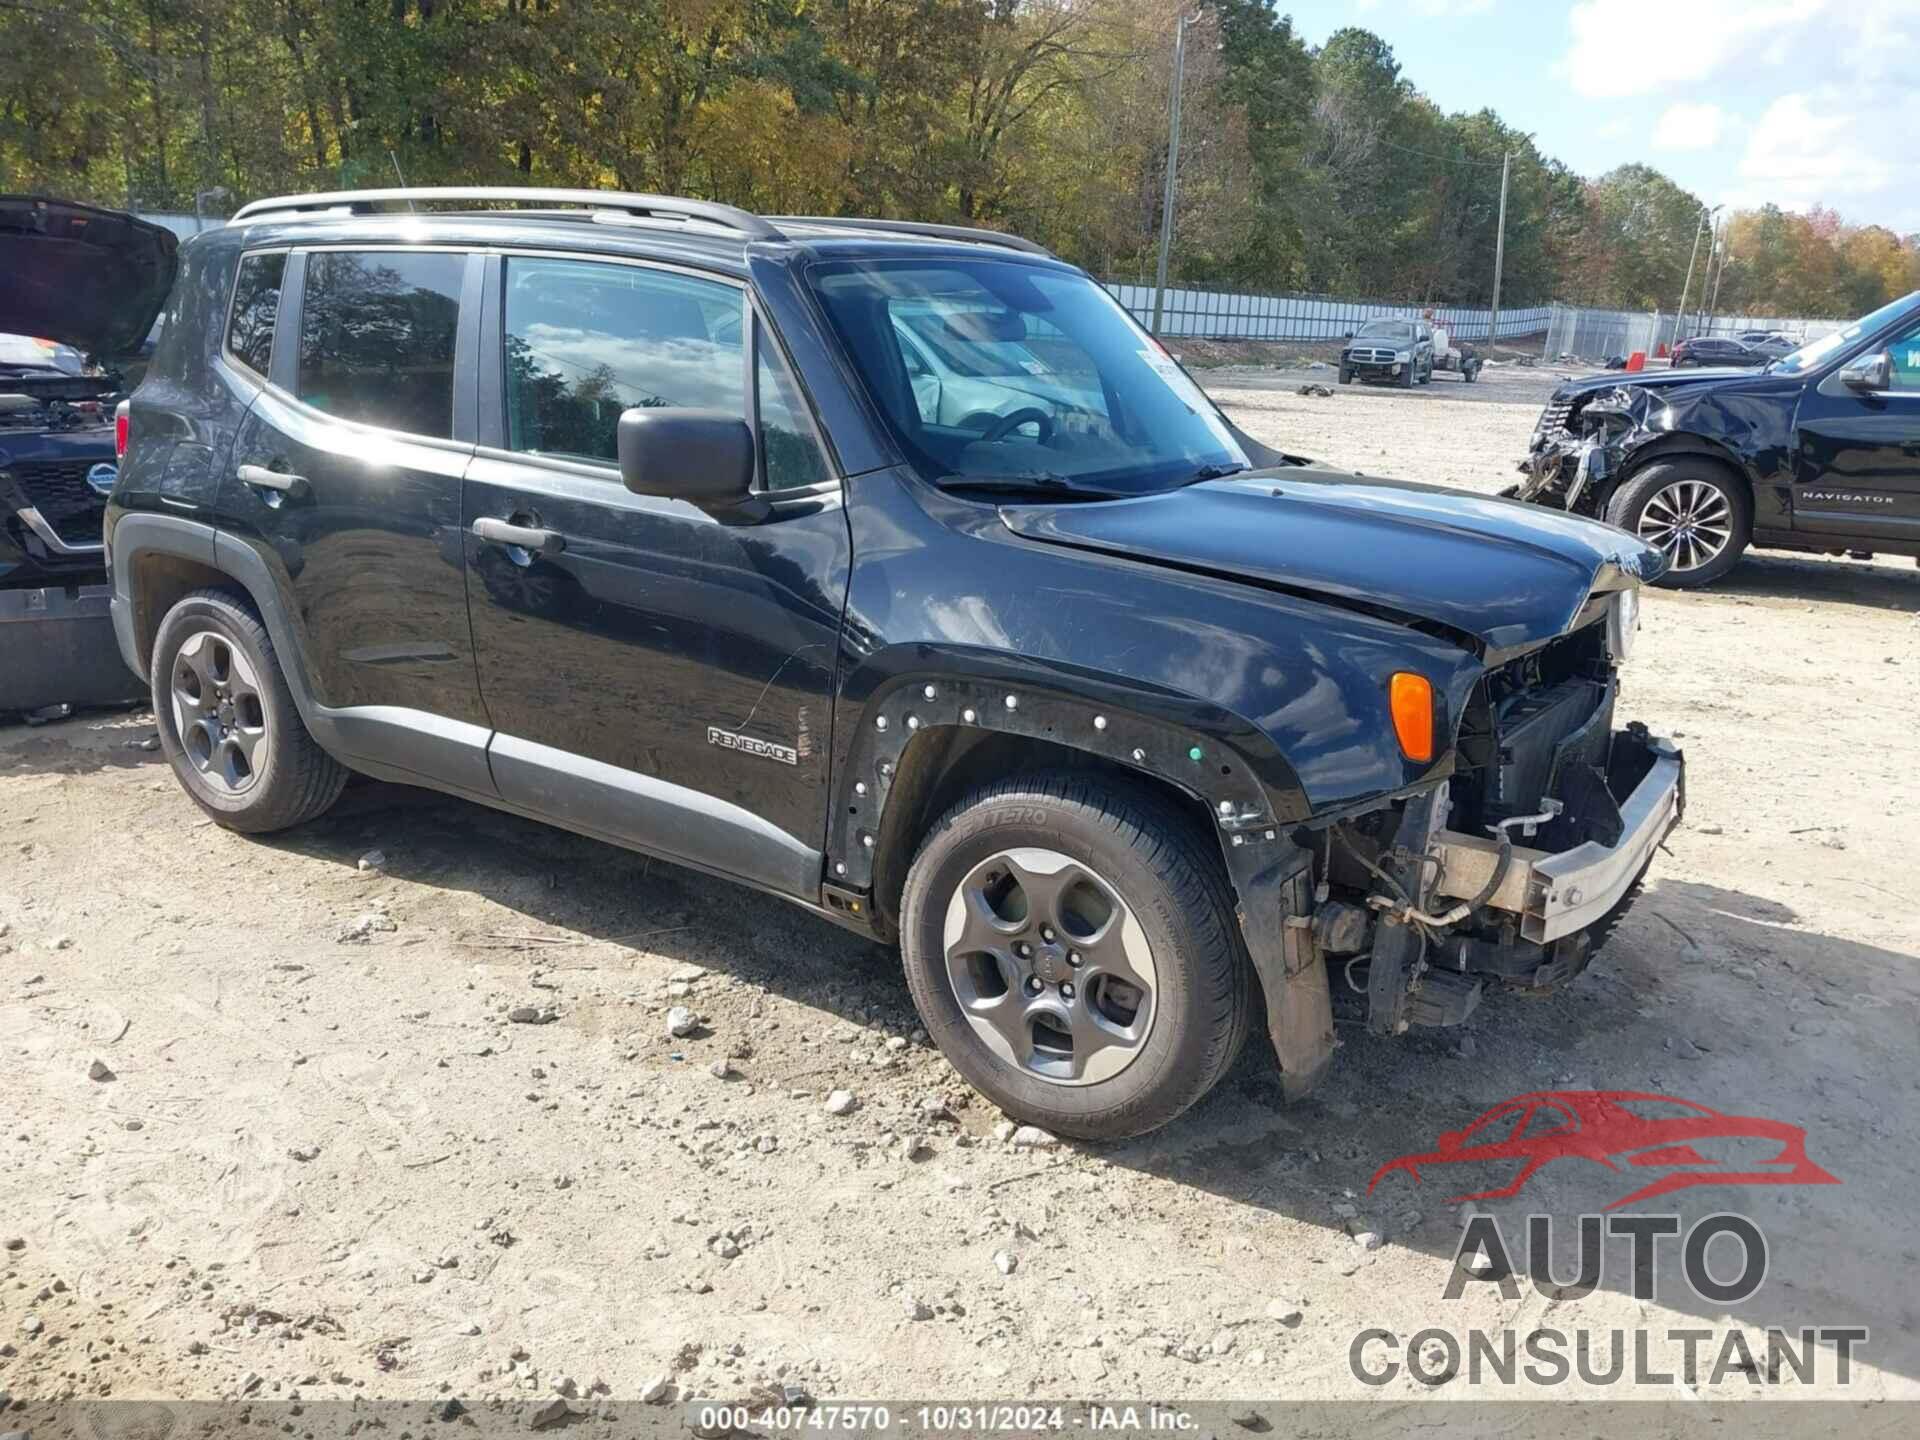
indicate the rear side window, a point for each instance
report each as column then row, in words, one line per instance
column 586, row 340
column 377, row 337
column 256, row 306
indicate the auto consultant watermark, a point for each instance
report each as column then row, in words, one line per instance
column 1721, row 1259
column 1638, row 1129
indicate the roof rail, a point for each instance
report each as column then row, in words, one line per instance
column 919, row 227
column 366, row 201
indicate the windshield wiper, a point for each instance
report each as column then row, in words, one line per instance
column 1215, row 472
column 1049, row 485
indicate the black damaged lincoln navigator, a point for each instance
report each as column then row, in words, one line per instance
column 1817, row 451
column 895, row 570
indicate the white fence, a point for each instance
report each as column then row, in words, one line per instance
column 1598, row 335
column 1234, row 315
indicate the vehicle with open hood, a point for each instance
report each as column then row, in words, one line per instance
column 636, row 515
column 1816, row 451
column 79, row 290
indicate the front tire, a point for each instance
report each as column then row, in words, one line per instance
column 1071, row 947
column 228, row 725
column 1346, row 376
column 1697, row 513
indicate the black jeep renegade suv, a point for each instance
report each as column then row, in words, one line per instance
column 895, row 570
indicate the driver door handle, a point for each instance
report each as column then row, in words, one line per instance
column 503, row 532
column 268, row 479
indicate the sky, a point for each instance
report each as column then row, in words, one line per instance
column 1798, row 102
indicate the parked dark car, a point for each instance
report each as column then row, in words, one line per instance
column 629, row 517
column 80, row 286
column 1716, row 350
column 1818, row 451
column 1400, row 351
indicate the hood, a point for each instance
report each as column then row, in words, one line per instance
column 1665, row 380
column 93, row 279
column 1507, row 575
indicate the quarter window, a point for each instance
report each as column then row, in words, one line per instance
column 789, row 455
column 377, row 337
column 585, row 341
column 256, row 306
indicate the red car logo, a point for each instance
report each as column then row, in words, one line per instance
column 1615, row 1128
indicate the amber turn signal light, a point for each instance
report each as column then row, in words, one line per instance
column 1410, row 697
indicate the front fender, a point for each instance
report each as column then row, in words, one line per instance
column 915, row 692
column 1284, row 697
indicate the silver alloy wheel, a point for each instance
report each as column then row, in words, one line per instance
column 1690, row 520
column 217, row 711
column 1050, row 967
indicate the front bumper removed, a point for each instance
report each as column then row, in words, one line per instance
column 57, row 647
column 1557, row 895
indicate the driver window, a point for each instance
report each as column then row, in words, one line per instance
column 1904, row 357
column 585, row 340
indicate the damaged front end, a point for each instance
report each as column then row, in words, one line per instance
column 1511, row 872
column 1582, row 442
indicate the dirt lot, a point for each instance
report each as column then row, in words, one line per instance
column 325, row 1158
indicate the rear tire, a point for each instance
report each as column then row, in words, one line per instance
column 1694, row 511
column 1038, row 861
column 228, row 725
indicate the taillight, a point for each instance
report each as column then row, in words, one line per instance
column 122, row 428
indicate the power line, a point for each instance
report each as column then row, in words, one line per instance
column 1442, row 159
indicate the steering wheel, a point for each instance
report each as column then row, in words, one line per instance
column 1007, row 424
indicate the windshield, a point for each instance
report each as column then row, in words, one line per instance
column 1816, row 352
column 1385, row 330
column 1000, row 372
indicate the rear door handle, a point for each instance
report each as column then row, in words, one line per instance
column 268, row 479
column 503, row 532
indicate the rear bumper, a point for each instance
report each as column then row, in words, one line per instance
column 57, row 646
column 1556, row 895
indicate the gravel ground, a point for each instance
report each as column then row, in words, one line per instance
column 390, row 1107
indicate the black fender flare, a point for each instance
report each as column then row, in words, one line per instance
column 1220, row 761
column 140, row 534
column 411, row 748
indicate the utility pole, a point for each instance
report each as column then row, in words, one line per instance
column 1703, row 223
column 1173, row 165
column 1680, row 315
column 1499, row 255
column 1713, row 306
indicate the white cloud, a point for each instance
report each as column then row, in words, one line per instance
column 1689, row 127
column 1448, row 8
column 1812, row 90
column 1825, row 146
column 1626, row 48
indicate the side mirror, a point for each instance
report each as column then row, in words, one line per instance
column 1349, row 335
column 1869, row 372
column 704, row 457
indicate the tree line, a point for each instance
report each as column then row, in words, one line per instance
column 1322, row 169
